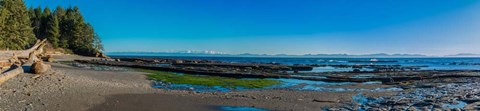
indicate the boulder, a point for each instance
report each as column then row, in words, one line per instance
column 473, row 106
column 39, row 67
column 325, row 101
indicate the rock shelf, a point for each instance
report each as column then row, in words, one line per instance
column 258, row 70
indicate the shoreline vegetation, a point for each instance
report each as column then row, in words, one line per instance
column 64, row 28
column 210, row 81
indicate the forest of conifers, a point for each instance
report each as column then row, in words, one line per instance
column 64, row 28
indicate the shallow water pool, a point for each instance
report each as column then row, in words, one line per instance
column 291, row 84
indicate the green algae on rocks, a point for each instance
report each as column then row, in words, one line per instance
column 208, row 80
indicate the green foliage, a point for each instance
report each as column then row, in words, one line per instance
column 209, row 80
column 15, row 28
column 3, row 12
column 75, row 33
column 53, row 30
column 63, row 28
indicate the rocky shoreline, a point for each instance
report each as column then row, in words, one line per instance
column 390, row 74
column 455, row 94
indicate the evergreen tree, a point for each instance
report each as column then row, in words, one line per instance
column 63, row 40
column 36, row 19
column 53, row 30
column 3, row 15
column 16, row 32
column 43, row 24
column 46, row 12
column 59, row 11
column 75, row 31
column 78, row 29
column 97, row 43
column 64, row 28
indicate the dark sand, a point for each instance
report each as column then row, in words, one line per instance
column 151, row 102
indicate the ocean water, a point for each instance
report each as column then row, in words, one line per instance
column 439, row 63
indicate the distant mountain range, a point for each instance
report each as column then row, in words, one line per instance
column 465, row 55
column 371, row 55
column 176, row 53
column 215, row 53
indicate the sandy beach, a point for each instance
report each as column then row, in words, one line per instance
column 71, row 88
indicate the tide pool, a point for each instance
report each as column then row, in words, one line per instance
column 290, row 84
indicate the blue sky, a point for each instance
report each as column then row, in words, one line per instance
column 431, row 27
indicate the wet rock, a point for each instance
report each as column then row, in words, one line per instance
column 399, row 108
column 373, row 105
column 437, row 97
column 337, row 109
column 422, row 104
column 403, row 102
column 389, row 102
column 373, row 109
column 437, row 105
column 425, row 108
column 412, row 109
column 426, row 86
column 471, row 100
column 446, row 99
column 325, row 101
column 39, row 67
column 430, row 96
column 473, row 106
column 456, row 109
column 429, row 100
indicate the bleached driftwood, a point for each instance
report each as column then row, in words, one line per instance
column 12, row 72
column 10, row 64
column 9, row 55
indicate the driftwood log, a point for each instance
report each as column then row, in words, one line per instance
column 12, row 72
column 37, row 48
column 13, row 56
column 11, row 60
